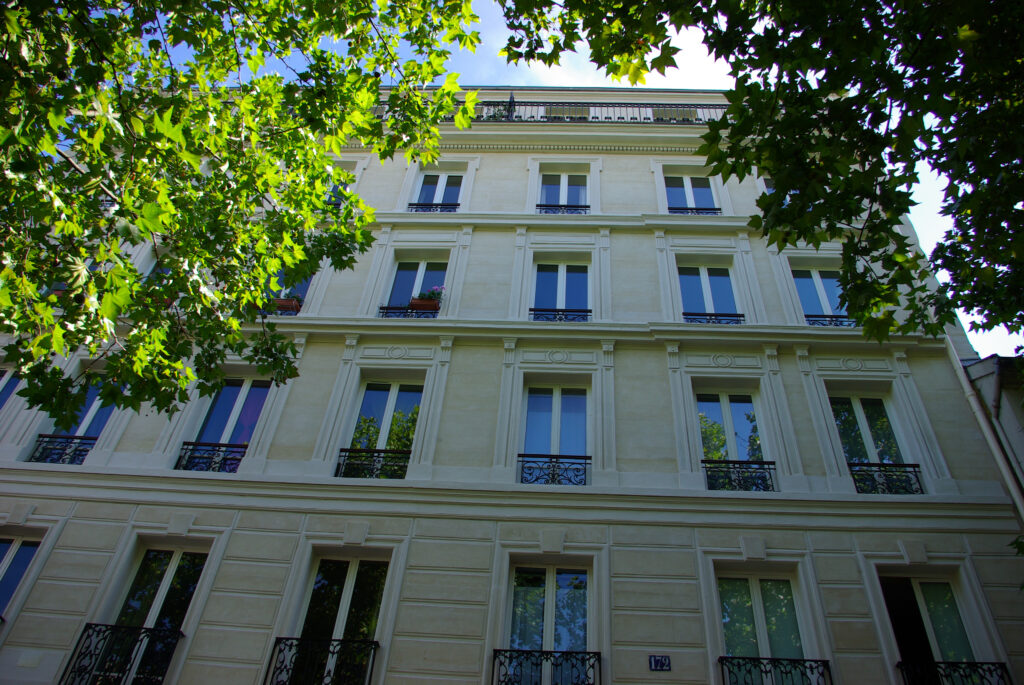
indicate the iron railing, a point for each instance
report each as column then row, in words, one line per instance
column 830, row 320
column 405, row 312
column 592, row 112
column 748, row 670
column 749, row 476
column 527, row 666
column 886, row 479
column 61, row 449
column 434, row 207
column 553, row 469
column 563, row 209
column 367, row 463
column 116, row 655
column 954, row 673
column 220, row 457
column 696, row 211
column 706, row 317
column 302, row 661
column 570, row 315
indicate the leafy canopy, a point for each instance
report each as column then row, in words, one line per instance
column 837, row 102
column 131, row 133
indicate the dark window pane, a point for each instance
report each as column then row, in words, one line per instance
column 144, row 587
column 91, row 395
column 250, row 413
column 550, row 187
column 405, row 279
column 570, row 610
column 428, row 190
column 573, row 429
column 830, row 282
column 179, row 595
column 675, row 189
column 451, row 189
column 691, row 289
column 721, row 291
column 881, row 431
column 364, row 607
column 528, row 609
column 702, row 196
column 807, row 292
column 577, row 191
column 907, row 623
column 538, row 421
column 576, row 291
column 8, row 384
column 371, row 416
column 712, row 427
column 99, row 420
column 849, row 430
column 219, row 412
column 546, row 295
column 403, row 420
column 744, row 424
column 16, row 569
column 780, row 620
column 433, row 276
column 324, row 600
column 737, row 617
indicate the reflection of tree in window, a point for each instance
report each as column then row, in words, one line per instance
column 715, row 427
column 396, row 404
column 564, row 629
column 743, row 601
column 852, row 414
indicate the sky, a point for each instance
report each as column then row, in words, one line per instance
column 696, row 70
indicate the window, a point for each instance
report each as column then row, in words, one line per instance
column 564, row 193
column 411, row 279
column 71, row 446
column 15, row 556
column 8, row 384
column 933, row 643
column 690, row 195
column 870, row 447
column 707, row 295
column 819, row 297
column 561, row 293
column 548, row 636
column 555, row 437
column 733, row 459
column 438, row 192
column 148, row 623
column 227, row 428
column 336, row 641
column 288, row 299
column 384, row 432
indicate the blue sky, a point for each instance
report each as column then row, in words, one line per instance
column 696, row 71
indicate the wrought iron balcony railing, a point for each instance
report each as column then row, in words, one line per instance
column 118, row 655
column 593, row 112
column 366, row 463
column 886, row 479
column 570, row 315
column 330, row 662
column 745, row 670
column 406, row 312
column 563, row 209
column 61, row 449
column 553, row 469
column 696, row 211
column 954, row 673
column 705, row 317
column 434, row 207
column 830, row 320
column 749, row 476
column 527, row 667
column 219, row 457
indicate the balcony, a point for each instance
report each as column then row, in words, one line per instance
column 302, row 660
column 120, row 655
column 737, row 670
column 742, row 476
column 886, row 479
column 444, row 207
column 492, row 111
column 61, row 449
column 830, row 320
column 216, row 457
column 405, row 312
column 367, row 463
column 553, row 469
column 955, row 673
column 704, row 317
column 528, row 666
column 563, row 209
column 696, row 211
column 569, row 315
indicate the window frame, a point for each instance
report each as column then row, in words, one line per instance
column 554, row 443
column 563, row 187
column 442, row 185
column 867, row 439
column 688, row 193
column 5, row 563
column 9, row 380
column 590, row 167
column 560, row 288
column 706, row 293
column 345, row 601
column 551, row 567
column 727, row 424
column 757, row 606
column 417, row 284
column 236, row 409
column 394, row 387
column 819, row 289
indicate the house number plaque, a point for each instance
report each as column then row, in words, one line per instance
column 659, row 662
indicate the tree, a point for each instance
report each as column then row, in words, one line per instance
column 838, row 102
column 130, row 130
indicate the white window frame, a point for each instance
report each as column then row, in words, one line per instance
column 727, row 424
column 87, row 418
column 563, row 187
column 550, row 588
column 688, row 190
column 585, row 166
column 560, row 289
column 819, row 288
column 345, row 602
column 705, row 286
column 688, row 167
column 757, row 605
column 442, row 184
column 929, row 629
column 236, row 409
column 165, row 583
column 556, row 417
column 862, row 423
column 389, row 408
column 6, row 561
column 421, row 270
column 8, row 376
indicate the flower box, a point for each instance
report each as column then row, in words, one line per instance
column 424, row 305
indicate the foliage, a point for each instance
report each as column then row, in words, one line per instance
column 838, row 102
column 130, row 133
column 435, row 293
column 400, row 436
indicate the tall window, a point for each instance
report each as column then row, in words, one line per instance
column 438, row 193
column 8, row 384
column 340, row 622
column 690, row 195
column 819, row 297
column 728, row 427
column 387, row 416
column 928, row 627
column 561, row 293
column 869, row 445
column 549, row 612
column 556, row 421
column 563, row 194
column 412, row 278
column 72, row 445
column 232, row 417
column 15, row 556
column 759, row 619
column 707, row 291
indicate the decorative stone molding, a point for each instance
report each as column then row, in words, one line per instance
column 356, row 532
column 753, row 548
column 552, row 540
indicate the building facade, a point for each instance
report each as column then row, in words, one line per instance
column 630, row 443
